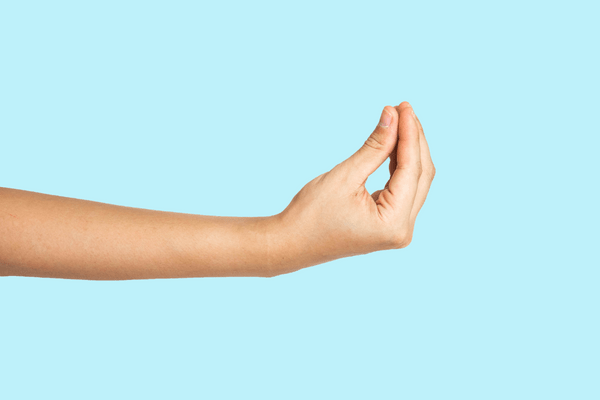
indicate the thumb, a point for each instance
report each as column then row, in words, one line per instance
column 378, row 147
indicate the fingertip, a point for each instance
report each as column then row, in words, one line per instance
column 388, row 117
column 389, row 109
column 403, row 105
column 392, row 111
column 408, row 128
column 403, row 108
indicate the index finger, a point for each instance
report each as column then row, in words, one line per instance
column 404, row 181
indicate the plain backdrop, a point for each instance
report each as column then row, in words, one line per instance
column 229, row 108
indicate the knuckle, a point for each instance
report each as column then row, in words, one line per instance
column 431, row 172
column 407, row 240
column 419, row 168
column 401, row 239
column 375, row 142
column 415, row 168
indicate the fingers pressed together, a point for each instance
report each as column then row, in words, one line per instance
column 411, row 167
column 399, row 136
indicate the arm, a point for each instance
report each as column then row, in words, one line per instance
column 52, row 236
column 333, row 216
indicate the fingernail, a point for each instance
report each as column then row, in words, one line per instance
column 386, row 119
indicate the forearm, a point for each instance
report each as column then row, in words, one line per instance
column 52, row 236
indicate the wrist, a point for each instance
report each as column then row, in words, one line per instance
column 293, row 245
column 284, row 250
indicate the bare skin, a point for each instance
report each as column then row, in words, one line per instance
column 333, row 216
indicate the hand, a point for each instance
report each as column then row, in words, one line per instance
column 334, row 215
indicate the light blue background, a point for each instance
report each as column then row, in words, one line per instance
column 229, row 109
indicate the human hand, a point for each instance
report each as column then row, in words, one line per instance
column 334, row 215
